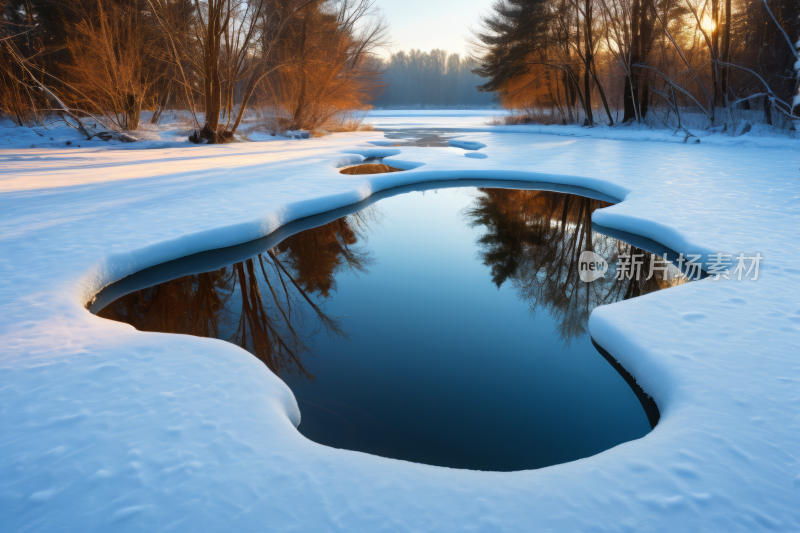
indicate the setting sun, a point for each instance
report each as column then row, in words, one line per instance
column 707, row 23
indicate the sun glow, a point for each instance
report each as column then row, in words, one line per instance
column 707, row 23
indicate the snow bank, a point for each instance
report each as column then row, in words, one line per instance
column 106, row 428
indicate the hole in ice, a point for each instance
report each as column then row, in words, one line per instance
column 464, row 309
column 426, row 137
column 475, row 155
column 369, row 168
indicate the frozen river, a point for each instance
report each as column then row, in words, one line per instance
column 109, row 428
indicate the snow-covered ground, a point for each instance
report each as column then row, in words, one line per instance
column 107, row 429
column 759, row 136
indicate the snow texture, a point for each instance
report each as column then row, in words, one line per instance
column 467, row 145
column 105, row 428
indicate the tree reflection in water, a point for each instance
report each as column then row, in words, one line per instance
column 534, row 240
column 266, row 304
column 263, row 304
column 424, row 308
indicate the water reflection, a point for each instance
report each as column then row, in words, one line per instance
column 422, row 137
column 423, row 315
column 534, row 239
column 369, row 168
column 263, row 304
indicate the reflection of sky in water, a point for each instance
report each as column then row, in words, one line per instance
column 456, row 371
column 443, row 367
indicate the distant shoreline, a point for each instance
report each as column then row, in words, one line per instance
column 438, row 108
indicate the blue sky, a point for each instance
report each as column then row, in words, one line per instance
column 428, row 24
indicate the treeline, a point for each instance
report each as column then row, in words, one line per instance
column 431, row 79
column 588, row 61
column 307, row 61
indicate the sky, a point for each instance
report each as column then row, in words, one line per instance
column 428, row 24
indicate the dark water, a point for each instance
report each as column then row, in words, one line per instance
column 446, row 327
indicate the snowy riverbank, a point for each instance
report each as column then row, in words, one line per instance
column 106, row 428
column 759, row 136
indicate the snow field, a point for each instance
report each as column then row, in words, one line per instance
column 106, row 428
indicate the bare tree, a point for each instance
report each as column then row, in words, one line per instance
column 330, row 46
column 232, row 27
column 112, row 67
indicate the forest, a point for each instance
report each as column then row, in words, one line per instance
column 432, row 79
column 316, row 64
column 673, row 63
column 108, row 60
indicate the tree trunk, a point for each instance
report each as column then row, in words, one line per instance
column 629, row 112
column 298, row 112
column 602, row 95
column 714, row 56
column 726, row 50
column 767, row 110
column 644, row 103
column 587, row 82
column 163, row 102
column 646, row 26
column 133, row 111
column 569, row 87
column 796, row 100
column 555, row 97
column 631, row 93
column 211, row 81
column 569, row 94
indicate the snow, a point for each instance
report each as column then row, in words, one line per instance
column 105, row 428
column 760, row 136
column 467, row 145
